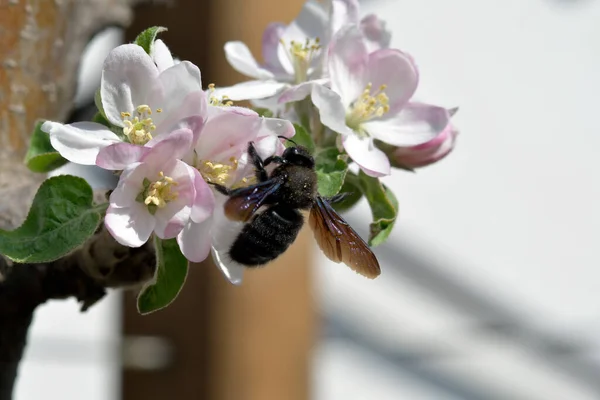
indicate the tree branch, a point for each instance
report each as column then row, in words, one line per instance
column 41, row 43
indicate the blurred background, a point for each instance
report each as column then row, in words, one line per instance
column 489, row 285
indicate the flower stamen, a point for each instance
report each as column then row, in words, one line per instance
column 301, row 55
column 219, row 173
column 367, row 106
column 213, row 100
column 158, row 193
column 138, row 129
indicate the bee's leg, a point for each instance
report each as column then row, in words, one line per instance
column 261, row 173
column 221, row 189
column 274, row 159
column 338, row 197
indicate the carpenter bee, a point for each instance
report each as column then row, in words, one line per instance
column 290, row 187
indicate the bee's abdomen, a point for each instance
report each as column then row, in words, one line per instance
column 267, row 236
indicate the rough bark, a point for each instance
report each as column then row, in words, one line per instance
column 41, row 42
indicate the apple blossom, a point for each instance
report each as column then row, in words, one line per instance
column 368, row 100
column 221, row 157
column 159, row 193
column 139, row 99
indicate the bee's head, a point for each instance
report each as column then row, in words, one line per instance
column 298, row 155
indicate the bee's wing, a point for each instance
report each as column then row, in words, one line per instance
column 244, row 202
column 340, row 242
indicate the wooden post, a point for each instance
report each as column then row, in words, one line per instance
column 251, row 342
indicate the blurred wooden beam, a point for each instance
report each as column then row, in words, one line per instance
column 263, row 331
column 251, row 342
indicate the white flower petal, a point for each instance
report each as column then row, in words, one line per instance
column 129, row 186
column 79, row 142
column 225, row 232
column 195, row 240
column 331, row 110
column 170, row 92
column 251, row 90
column 369, row 158
column 161, row 55
column 126, row 77
column 347, row 64
column 415, row 124
column 241, row 59
column 233, row 271
column 131, row 226
column 299, row 92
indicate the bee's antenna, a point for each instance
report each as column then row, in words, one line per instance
column 288, row 139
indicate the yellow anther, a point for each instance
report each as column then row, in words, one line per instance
column 300, row 55
column 219, row 173
column 213, row 100
column 367, row 106
column 158, row 193
column 138, row 128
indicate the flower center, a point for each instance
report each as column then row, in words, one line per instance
column 158, row 193
column 213, row 100
column 138, row 128
column 214, row 172
column 367, row 106
column 301, row 55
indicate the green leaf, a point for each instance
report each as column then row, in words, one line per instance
column 302, row 138
column 170, row 275
column 147, row 37
column 331, row 169
column 101, row 119
column 264, row 112
column 352, row 187
column 41, row 156
column 384, row 208
column 62, row 217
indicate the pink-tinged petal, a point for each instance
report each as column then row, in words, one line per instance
column 161, row 55
column 178, row 93
column 343, row 12
column 347, row 64
column 270, row 43
column 126, row 77
column 331, row 110
column 275, row 127
column 415, row 124
column 119, row 155
column 131, row 226
column 204, row 199
column 369, row 158
column 79, row 142
column 175, row 146
column 130, row 186
column 195, row 240
column 171, row 218
column 397, row 71
column 301, row 91
column 377, row 36
column 241, row 59
column 226, row 134
column 252, row 90
column 427, row 153
column 170, row 228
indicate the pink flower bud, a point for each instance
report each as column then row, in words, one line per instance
column 426, row 153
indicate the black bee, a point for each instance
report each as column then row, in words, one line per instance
column 290, row 187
